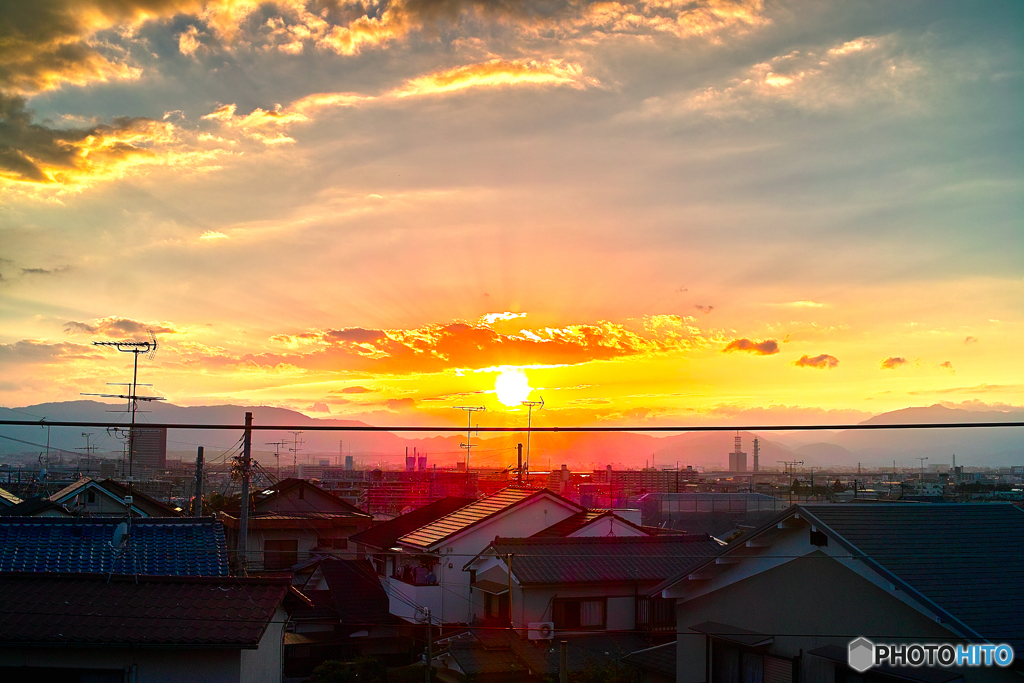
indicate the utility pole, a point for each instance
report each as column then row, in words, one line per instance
column 530, row 405
column 812, row 478
column 243, row 520
column 519, row 465
column 277, row 453
column 922, row 468
column 88, row 452
column 790, row 470
column 469, row 435
column 197, row 507
column 296, row 442
column 563, row 661
column 430, row 646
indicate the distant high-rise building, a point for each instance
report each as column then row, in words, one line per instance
column 738, row 459
column 757, row 452
column 349, row 464
column 149, row 447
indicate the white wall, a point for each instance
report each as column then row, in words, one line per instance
column 265, row 664
column 523, row 520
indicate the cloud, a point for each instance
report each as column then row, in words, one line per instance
column 765, row 348
column 821, row 362
column 866, row 70
column 356, row 389
column 462, row 345
column 704, row 309
column 497, row 73
column 37, row 154
column 319, row 407
column 977, row 389
column 893, row 362
column 491, row 318
column 947, row 365
column 38, row 351
column 117, row 327
column 44, row 271
column 971, row 340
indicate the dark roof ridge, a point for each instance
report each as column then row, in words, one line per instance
column 284, row 580
column 170, row 521
column 563, row 540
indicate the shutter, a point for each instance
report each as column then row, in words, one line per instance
column 777, row 670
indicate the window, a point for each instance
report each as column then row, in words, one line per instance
column 578, row 615
column 280, row 554
column 496, row 606
column 91, row 497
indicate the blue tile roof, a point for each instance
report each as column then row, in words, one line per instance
column 158, row 546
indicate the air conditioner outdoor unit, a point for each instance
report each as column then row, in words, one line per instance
column 540, row 630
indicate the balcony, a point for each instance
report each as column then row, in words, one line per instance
column 406, row 597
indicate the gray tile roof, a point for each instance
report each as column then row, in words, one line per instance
column 660, row 658
column 158, row 546
column 968, row 559
column 603, row 559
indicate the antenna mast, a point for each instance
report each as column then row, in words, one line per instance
column 136, row 348
column 469, row 435
column 530, row 405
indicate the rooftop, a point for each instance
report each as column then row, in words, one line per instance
column 386, row 535
column 602, row 559
column 473, row 514
column 63, row 609
column 965, row 558
column 176, row 546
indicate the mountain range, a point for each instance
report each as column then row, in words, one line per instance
column 991, row 446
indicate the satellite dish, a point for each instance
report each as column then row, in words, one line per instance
column 120, row 537
column 421, row 615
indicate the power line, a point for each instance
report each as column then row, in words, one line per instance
column 574, row 428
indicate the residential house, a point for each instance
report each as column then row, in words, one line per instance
column 36, row 506
column 349, row 617
column 292, row 520
column 7, row 499
column 599, row 523
column 181, row 546
column 109, row 629
column 106, row 498
column 381, row 538
column 501, row 656
column 562, row 585
column 783, row 602
column 423, row 571
column 656, row 664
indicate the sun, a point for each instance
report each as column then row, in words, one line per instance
column 512, row 387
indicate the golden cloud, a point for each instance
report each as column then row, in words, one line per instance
column 118, row 327
column 821, row 362
column 459, row 345
column 71, row 158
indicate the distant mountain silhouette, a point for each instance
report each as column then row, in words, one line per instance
column 581, row 451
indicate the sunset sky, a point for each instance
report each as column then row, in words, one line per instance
column 647, row 212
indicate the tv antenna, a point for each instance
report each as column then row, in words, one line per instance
column 469, row 445
column 296, row 443
column 277, row 454
column 137, row 348
column 530, row 405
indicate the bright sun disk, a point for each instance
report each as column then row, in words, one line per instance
column 512, row 387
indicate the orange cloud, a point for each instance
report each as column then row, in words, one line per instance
column 117, row 327
column 893, row 362
column 497, row 72
column 765, row 348
column 32, row 351
column 460, row 345
column 820, row 362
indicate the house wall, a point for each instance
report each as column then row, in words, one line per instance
column 806, row 603
column 266, row 663
column 154, row 665
column 607, row 527
column 533, row 603
column 523, row 520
